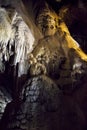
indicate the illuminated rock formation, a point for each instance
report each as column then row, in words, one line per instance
column 42, row 65
column 49, row 22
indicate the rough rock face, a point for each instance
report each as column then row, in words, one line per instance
column 53, row 58
column 16, row 42
column 47, row 21
column 42, row 106
column 75, row 18
column 16, row 38
column 51, row 66
column 5, row 98
column 50, row 54
column 39, row 96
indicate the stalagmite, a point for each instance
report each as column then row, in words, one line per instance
column 42, row 65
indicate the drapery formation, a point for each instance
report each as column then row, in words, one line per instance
column 40, row 63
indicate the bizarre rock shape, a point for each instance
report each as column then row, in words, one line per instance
column 49, row 22
column 41, row 100
column 42, row 106
column 16, row 38
column 16, row 42
column 57, row 61
column 40, row 95
column 50, row 53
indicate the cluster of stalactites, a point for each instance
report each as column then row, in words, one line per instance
column 16, row 38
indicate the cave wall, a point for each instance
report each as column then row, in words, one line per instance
column 43, row 68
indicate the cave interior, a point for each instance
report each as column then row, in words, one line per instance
column 43, row 65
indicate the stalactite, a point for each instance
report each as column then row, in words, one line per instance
column 42, row 64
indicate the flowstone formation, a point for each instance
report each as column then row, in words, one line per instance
column 41, row 69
